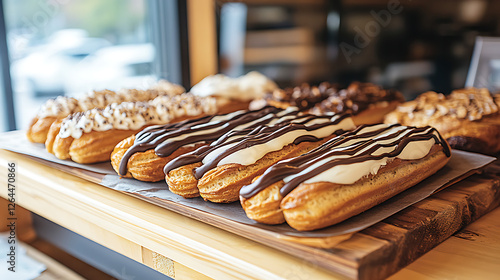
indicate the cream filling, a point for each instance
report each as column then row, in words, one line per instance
column 282, row 119
column 248, row 124
column 223, row 121
column 225, row 117
column 215, row 120
column 194, row 133
column 350, row 173
column 275, row 118
column 251, row 154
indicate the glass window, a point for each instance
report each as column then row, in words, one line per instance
column 67, row 47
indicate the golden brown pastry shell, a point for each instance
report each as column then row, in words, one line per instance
column 39, row 128
column 181, row 181
column 317, row 205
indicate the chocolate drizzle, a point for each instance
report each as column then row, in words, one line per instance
column 165, row 139
column 238, row 140
column 304, row 96
column 358, row 146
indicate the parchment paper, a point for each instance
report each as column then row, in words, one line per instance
column 16, row 141
column 461, row 165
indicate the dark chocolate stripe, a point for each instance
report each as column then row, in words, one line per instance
column 298, row 164
column 199, row 154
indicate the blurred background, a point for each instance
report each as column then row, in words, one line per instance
column 66, row 47
column 410, row 45
column 69, row 47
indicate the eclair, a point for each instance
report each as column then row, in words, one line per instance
column 144, row 155
column 303, row 97
column 469, row 119
column 345, row 176
column 222, row 168
column 63, row 106
column 90, row 136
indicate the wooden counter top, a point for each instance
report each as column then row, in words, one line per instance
column 185, row 248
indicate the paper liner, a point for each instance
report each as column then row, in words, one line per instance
column 16, row 141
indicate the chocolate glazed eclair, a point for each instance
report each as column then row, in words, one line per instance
column 345, row 176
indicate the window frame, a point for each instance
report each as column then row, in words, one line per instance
column 8, row 116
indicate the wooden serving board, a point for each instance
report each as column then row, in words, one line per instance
column 390, row 245
column 386, row 247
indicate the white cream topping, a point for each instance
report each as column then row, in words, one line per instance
column 58, row 107
column 251, row 154
column 194, row 133
column 218, row 119
column 247, row 87
column 350, row 173
column 134, row 115
column 226, row 117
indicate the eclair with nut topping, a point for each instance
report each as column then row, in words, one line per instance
column 366, row 102
column 90, row 136
column 469, row 119
column 303, row 97
column 62, row 106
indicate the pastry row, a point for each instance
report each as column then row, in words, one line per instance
column 311, row 156
column 469, row 119
column 283, row 165
column 86, row 129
